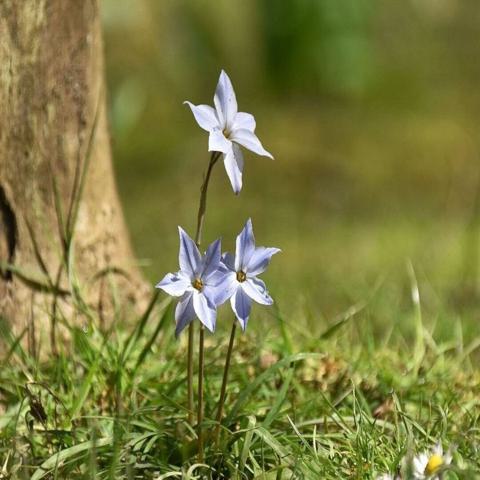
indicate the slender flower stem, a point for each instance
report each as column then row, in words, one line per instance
column 203, row 198
column 201, row 358
column 190, row 373
column 198, row 238
column 223, row 391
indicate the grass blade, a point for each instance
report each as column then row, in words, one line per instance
column 61, row 457
column 146, row 349
column 133, row 339
column 252, row 421
column 279, row 400
column 247, row 392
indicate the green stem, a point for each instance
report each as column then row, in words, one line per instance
column 198, row 239
column 201, row 366
column 223, row 391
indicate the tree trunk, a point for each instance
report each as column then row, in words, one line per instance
column 63, row 240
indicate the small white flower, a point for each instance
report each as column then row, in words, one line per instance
column 229, row 129
column 385, row 476
column 427, row 464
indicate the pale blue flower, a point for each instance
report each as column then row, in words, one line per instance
column 241, row 284
column 197, row 283
column 228, row 129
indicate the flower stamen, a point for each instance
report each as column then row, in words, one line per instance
column 241, row 276
column 434, row 463
column 197, row 284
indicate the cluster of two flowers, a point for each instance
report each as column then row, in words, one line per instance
column 205, row 282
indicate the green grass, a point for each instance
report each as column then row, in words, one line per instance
column 340, row 401
column 346, row 375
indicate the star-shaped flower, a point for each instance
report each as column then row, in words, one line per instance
column 241, row 284
column 229, row 129
column 196, row 283
column 428, row 464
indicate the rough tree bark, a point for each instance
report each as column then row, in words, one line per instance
column 53, row 129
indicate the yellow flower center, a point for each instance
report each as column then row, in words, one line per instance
column 226, row 133
column 434, row 463
column 241, row 276
column 197, row 284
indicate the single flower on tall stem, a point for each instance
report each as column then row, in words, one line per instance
column 228, row 130
column 242, row 286
column 197, row 283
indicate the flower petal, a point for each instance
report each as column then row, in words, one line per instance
column 256, row 290
column 174, row 284
column 244, row 120
column 224, row 289
column 225, row 101
column 233, row 162
column 249, row 140
column 245, row 246
column 229, row 261
column 259, row 260
column 204, row 115
column 211, row 260
column 217, row 142
column 218, row 277
column 189, row 257
column 210, row 294
column 419, row 464
column 184, row 312
column 438, row 449
column 241, row 305
column 205, row 310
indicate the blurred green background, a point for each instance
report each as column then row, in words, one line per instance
column 371, row 110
